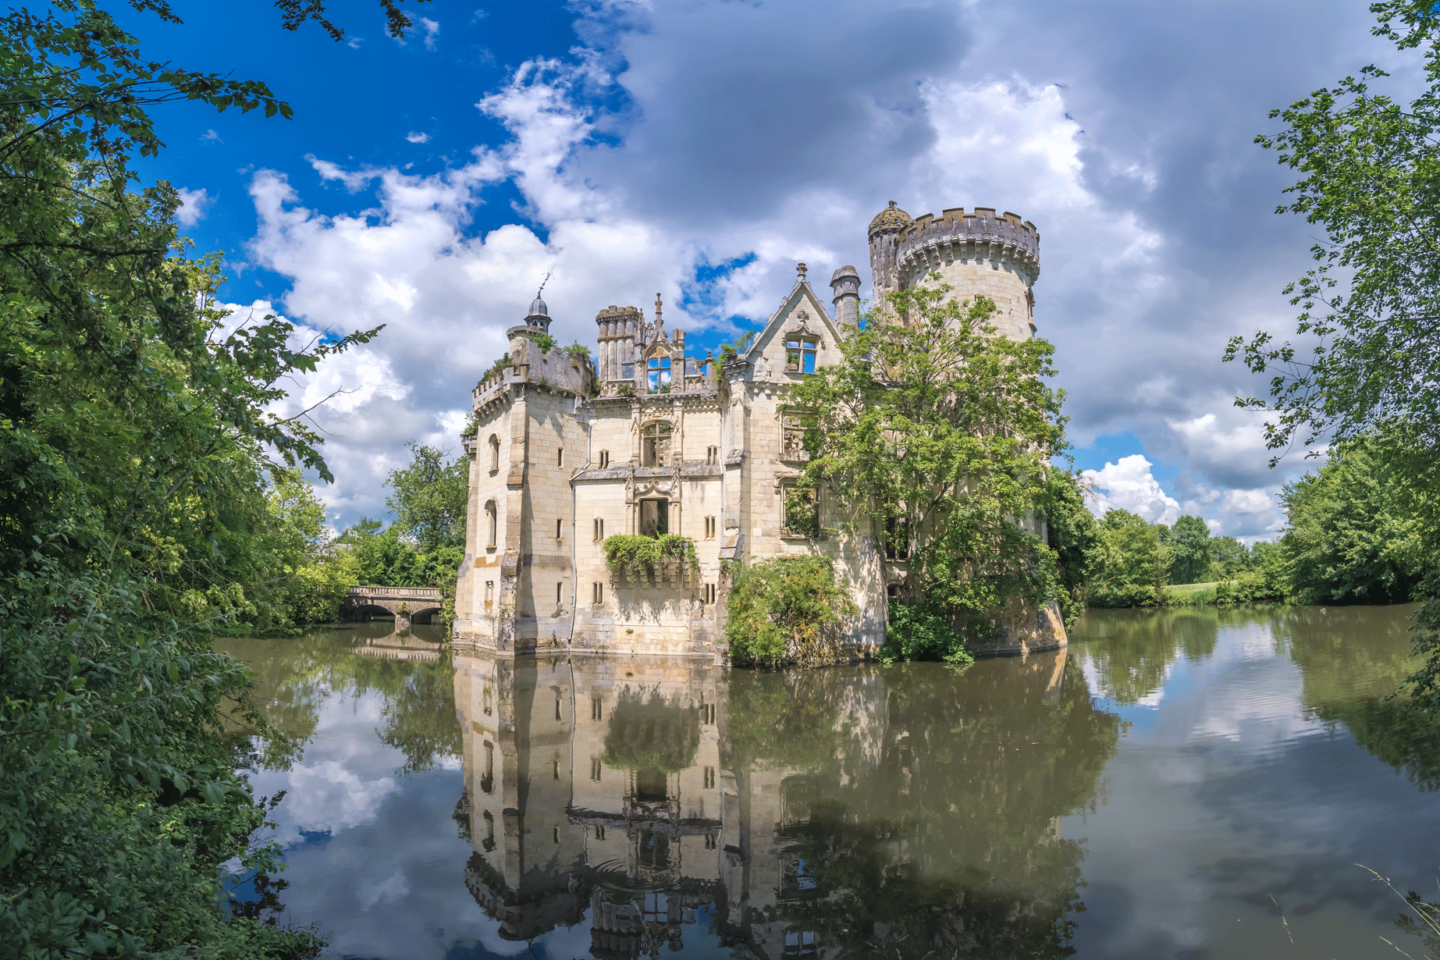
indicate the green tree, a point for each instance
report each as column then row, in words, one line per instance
column 787, row 610
column 1369, row 172
column 1349, row 538
column 429, row 497
column 939, row 432
column 1136, row 565
column 1190, row 550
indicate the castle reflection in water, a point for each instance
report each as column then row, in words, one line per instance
column 800, row 814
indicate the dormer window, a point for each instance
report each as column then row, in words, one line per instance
column 800, row 355
column 659, row 373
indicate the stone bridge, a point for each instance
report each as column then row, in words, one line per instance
column 406, row 603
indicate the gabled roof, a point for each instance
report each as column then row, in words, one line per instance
column 800, row 293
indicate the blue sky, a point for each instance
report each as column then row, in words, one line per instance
column 702, row 148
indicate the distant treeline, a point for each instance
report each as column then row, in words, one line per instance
column 1345, row 541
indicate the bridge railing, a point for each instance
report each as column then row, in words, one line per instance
column 426, row 593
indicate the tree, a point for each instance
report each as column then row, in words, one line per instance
column 1349, row 539
column 1369, row 168
column 1190, row 548
column 787, row 610
column 1135, row 566
column 429, row 498
column 939, row 432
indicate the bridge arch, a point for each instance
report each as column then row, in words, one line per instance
column 405, row 603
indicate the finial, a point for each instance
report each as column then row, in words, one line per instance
column 800, row 270
column 550, row 273
column 892, row 204
column 659, row 323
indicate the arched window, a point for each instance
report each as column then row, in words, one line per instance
column 659, row 370
column 492, row 523
column 494, row 453
column 655, row 444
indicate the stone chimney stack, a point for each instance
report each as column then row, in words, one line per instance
column 846, row 284
column 617, row 329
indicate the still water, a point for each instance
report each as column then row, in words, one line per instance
column 1191, row 784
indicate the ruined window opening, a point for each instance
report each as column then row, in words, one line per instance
column 651, row 786
column 800, row 355
column 897, row 539
column 655, row 444
column 654, row 518
column 659, row 374
column 801, row 512
column 494, row 453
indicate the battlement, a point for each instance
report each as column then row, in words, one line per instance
column 613, row 312
column 1015, row 237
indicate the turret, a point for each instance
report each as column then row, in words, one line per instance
column 845, row 282
column 884, row 233
column 618, row 328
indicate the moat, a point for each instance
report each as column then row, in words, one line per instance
column 1170, row 785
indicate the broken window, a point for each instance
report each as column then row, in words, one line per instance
column 659, row 372
column 655, row 444
column 802, row 512
column 654, row 517
column 800, row 355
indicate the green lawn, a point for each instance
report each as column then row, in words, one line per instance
column 1186, row 589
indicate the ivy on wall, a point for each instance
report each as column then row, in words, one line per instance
column 637, row 557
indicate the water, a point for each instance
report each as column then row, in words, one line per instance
column 1191, row 784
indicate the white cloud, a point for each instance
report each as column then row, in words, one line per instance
column 432, row 31
column 1129, row 485
column 210, row 135
column 414, row 137
column 192, row 206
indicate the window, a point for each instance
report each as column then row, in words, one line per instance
column 487, row 782
column 559, row 593
column 712, row 455
column 897, row 539
column 709, row 777
column 557, row 834
column 604, row 459
column 489, row 593
column 659, row 372
column 599, row 592
column 597, row 708
column 555, row 767
column 492, row 523
column 802, row 512
column 559, row 529
column 487, row 699
column 710, row 526
column 595, row 768
column 560, row 458
column 655, row 444
column 709, row 841
column 654, row 517
column 599, row 832
column 707, row 714
column 494, row 453
column 800, row 355
column 489, row 841
column 710, row 593
column 557, row 705
column 599, row 529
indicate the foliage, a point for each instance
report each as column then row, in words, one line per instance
column 787, row 610
column 626, row 389
column 1135, row 565
column 578, row 351
column 636, row 557
column 1189, row 541
column 429, row 497
column 934, row 424
column 916, row 633
column 545, row 342
column 497, row 368
column 1074, row 538
column 1350, row 538
column 730, row 352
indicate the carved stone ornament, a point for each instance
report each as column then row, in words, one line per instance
column 793, row 443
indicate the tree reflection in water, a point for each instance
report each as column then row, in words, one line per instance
column 818, row 813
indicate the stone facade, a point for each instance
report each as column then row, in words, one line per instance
column 648, row 440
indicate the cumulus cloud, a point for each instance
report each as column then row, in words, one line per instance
column 1129, row 485
column 680, row 137
column 192, row 206
column 414, row 137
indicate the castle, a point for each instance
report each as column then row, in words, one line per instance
column 650, row 441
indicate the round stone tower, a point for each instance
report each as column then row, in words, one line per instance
column 979, row 253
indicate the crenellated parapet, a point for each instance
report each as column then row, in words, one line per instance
column 930, row 241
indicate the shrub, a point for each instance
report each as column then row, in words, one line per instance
column 787, row 610
column 545, row 342
column 635, row 556
column 917, row 632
